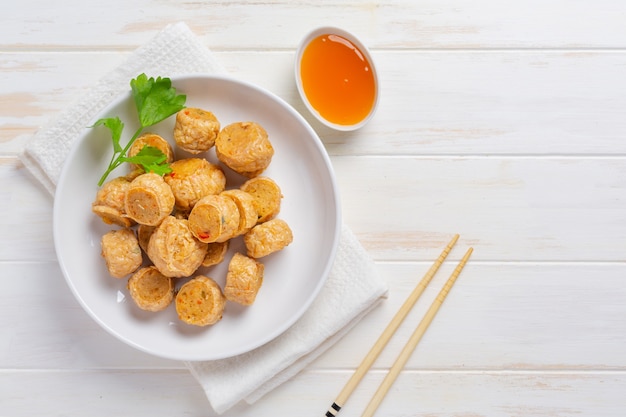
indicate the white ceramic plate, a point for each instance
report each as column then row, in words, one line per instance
column 293, row 277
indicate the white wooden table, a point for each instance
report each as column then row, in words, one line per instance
column 501, row 121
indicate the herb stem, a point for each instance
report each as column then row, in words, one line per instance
column 155, row 100
column 117, row 161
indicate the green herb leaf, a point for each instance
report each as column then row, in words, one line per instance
column 116, row 126
column 155, row 100
column 141, row 87
column 151, row 159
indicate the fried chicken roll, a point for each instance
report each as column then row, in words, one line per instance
column 247, row 212
column 243, row 280
column 215, row 254
column 200, row 302
column 121, row 252
column 267, row 238
column 245, row 148
column 195, row 130
column 150, row 289
column 193, row 178
column 149, row 199
column 215, row 218
column 266, row 196
column 109, row 202
column 174, row 250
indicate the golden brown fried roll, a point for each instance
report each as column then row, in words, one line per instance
column 149, row 199
column 174, row 250
column 109, row 202
column 150, row 289
column 247, row 213
column 121, row 252
column 267, row 238
column 200, row 301
column 193, row 178
column 215, row 218
column 243, row 280
column 195, row 130
column 266, row 196
column 154, row 140
column 144, row 233
column 245, row 148
column 215, row 253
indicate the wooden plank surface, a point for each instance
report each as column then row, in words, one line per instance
column 499, row 316
column 437, row 394
column 399, row 24
column 460, row 102
column 502, row 122
column 515, row 209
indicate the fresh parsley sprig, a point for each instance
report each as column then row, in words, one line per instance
column 151, row 159
column 155, row 100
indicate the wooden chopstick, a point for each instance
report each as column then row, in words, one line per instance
column 414, row 340
column 393, row 325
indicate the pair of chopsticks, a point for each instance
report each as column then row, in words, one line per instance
column 393, row 325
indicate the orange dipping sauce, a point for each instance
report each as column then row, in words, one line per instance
column 338, row 80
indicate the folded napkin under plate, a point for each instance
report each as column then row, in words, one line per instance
column 353, row 286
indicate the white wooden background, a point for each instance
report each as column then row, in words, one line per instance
column 501, row 121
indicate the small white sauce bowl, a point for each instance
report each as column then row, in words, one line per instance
column 329, row 30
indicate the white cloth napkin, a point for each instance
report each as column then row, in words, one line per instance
column 173, row 51
column 352, row 289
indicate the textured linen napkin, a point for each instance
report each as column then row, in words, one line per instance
column 352, row 289
column 173, row 51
